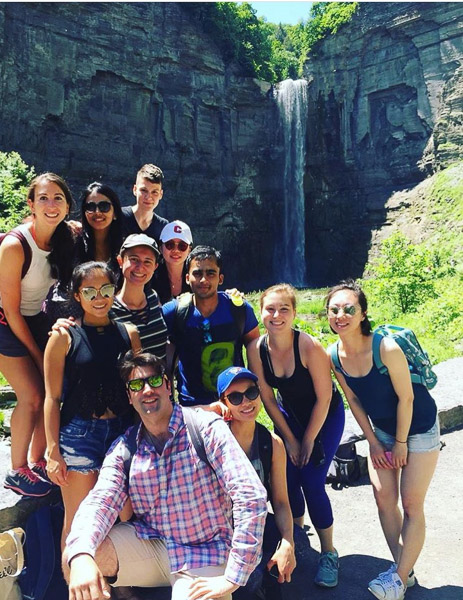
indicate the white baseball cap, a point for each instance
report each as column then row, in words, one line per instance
column 176, row 230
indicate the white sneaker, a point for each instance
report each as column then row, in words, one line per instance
column 389, row 587
column 411, row 579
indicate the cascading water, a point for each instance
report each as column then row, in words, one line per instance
column 292, row 98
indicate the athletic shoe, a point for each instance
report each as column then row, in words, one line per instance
column 11, row 552
column 388, row 588
column 26, row 483
column 411, row 580
column 40, row 469
column 328, row 566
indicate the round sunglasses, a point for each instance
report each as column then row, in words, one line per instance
column 236, row 398
column 171, row 245
column 349, row 310
column 104, row 206
column 154, row 381
column 90, row 293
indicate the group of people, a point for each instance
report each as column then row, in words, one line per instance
column 99, row 318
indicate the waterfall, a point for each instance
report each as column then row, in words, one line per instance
column 291, row 97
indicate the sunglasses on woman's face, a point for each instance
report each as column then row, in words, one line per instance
column 171, row 245
column 349, row 310
column 104, row 206
column 136, row 385
column 90, row 293
column 236, row 398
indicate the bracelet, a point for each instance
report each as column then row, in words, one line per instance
column 400, row 441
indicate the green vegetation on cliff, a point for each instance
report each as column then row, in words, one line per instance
column 15, row 176
column 269, row 51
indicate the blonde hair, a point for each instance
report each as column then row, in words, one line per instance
column 280, row 288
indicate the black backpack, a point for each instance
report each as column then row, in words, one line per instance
column 345, row 467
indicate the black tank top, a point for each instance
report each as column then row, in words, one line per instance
column 92, row 381
column 296, row 391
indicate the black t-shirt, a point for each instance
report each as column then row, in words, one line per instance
column 130, row 225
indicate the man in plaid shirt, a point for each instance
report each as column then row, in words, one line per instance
column 197, row 527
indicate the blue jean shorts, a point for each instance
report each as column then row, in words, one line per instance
column 84, row 443
column 419, row 442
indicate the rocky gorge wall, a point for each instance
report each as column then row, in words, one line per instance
column 94, row 90
column 385, row 110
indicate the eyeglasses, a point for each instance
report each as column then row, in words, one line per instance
column 206, row 329
column 236, row 398
column 348, row 309
column 154, row 381
column 104, row 206
column 171, row 245
column 90, row 293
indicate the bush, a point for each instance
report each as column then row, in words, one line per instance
column 15, row 176
column 405, row 273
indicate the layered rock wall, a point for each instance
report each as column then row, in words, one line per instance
column 94, row 90
column 385, row 110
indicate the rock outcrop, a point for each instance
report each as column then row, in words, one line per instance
column 385, row 110
column 94, row 90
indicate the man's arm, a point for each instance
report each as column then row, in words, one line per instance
column 239, row 479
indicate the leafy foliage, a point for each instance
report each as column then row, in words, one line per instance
column 266, row 50
column 405, row 274
column 15, row 176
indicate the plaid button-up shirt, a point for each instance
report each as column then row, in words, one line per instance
column 205, row 516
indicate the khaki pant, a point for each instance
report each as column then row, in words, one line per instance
column 145, row 563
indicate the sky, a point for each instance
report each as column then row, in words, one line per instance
column 288, row 13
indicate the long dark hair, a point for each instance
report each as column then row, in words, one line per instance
column 353, row 286
column 115, row 232
column 62, row 240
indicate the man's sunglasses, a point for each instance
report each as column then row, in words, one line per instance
column 236, row 398
column 171, row 245
column 104, row 206
column 136, row 385
column 90, row 293
column 349, row 310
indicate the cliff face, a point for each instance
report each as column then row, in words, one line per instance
column 385, row 109
column 95, row 90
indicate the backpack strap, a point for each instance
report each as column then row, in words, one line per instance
column 131, row 447
column 19, row 235
column 377, row 337
column 191, row 422
column 182, row 311
column 239, row 316
column 265, row 443
column 122, row 329
column 333, row 350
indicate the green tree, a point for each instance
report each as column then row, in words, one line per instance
column 15, row 176
column 404, row 273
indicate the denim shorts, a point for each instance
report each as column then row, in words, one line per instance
column 84, row 443
column 419, row 442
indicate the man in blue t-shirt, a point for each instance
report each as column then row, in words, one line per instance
column 207, row 328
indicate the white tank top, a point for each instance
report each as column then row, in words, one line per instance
column 38, row 279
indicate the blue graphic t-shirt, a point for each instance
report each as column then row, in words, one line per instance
column 206, row 347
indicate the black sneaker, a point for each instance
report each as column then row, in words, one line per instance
column 26, row 483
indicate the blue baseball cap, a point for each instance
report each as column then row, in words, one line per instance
column 227, row 377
